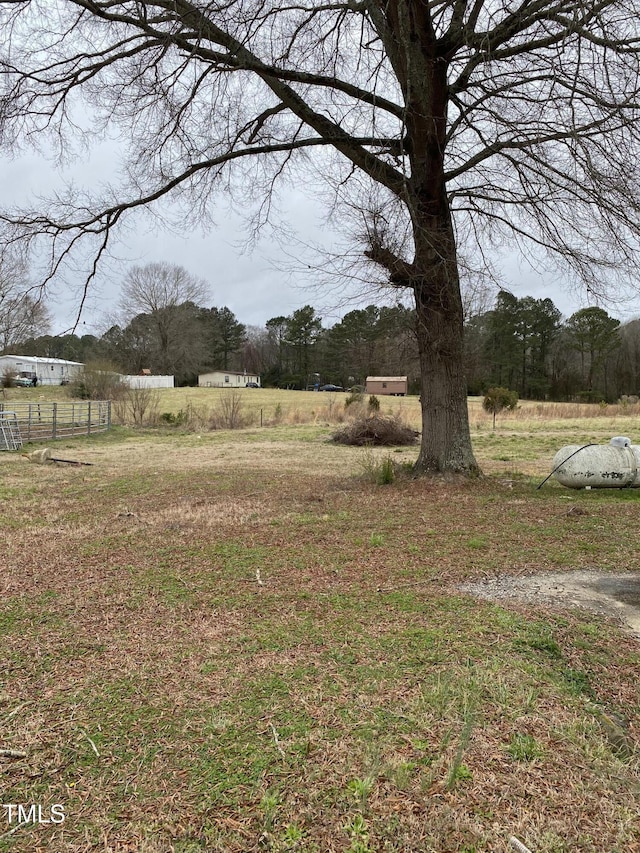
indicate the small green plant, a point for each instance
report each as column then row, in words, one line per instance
column 523, row 747
column 402, row 774
column 376, row 540
column 386, row 473
column 353, row 397
column 497, row 399
column 173, row 419
column 358, row 830
column 277, row 413
column 459, row 773
column 361, row 788
column 269, row 805
column 373, row 404
column 292, row 836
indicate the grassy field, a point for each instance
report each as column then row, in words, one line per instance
column 237, row 641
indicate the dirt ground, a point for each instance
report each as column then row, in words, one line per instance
column 616, row 597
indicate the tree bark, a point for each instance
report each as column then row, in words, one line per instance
column 446, row 441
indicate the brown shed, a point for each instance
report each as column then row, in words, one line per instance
column 395, row 386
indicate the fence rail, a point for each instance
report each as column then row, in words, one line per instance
column 50, row 421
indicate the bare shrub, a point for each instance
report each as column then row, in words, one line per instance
column 356, row 410
column 98, row 381
column 137, row 406
column 229, row 413
column 377, row 430
column 8, row 378
column 299, row 416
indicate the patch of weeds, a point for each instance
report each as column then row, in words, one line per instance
column 187, row 847
column 381, row 472
column 376, row 540
column 15, row 614
column 270, row 803
column 239, row 559
column 458, row 773
column 174, row 418
column 523, row 747
column 361, row 788
column 477, row 543
column 402, row 774
column 386, row 474
column 170, row 585
column 12, row 614
column 292, row 836
column 514, row 700
column 577, row 682
column 358, row 830
column 540, row 640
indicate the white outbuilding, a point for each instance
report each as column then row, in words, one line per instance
column 47, row 371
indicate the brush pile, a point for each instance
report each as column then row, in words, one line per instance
column 376, row 430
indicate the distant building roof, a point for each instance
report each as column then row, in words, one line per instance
column 230, row 372
column 386, row 378
column 37, row 359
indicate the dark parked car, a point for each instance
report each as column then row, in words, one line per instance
column 331, row 388
column 252, row 385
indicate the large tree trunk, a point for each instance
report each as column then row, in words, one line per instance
column 446, row 441
column 435, row 280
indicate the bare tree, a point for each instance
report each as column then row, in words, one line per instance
column 155, row 287
column 436, row 125
column 22, row 315
column 164, row 299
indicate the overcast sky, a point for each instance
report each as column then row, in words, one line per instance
column 255, row 286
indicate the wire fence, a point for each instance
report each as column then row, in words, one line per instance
column 51, row 421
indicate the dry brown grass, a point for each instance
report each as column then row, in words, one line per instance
column 133, row 617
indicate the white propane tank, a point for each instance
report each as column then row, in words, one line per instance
column 598, row 466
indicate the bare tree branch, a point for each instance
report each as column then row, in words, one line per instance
column 443, row 122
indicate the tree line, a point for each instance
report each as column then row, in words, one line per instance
column 523, row 344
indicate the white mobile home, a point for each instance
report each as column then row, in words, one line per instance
column 46, row 371
column 228, row 379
